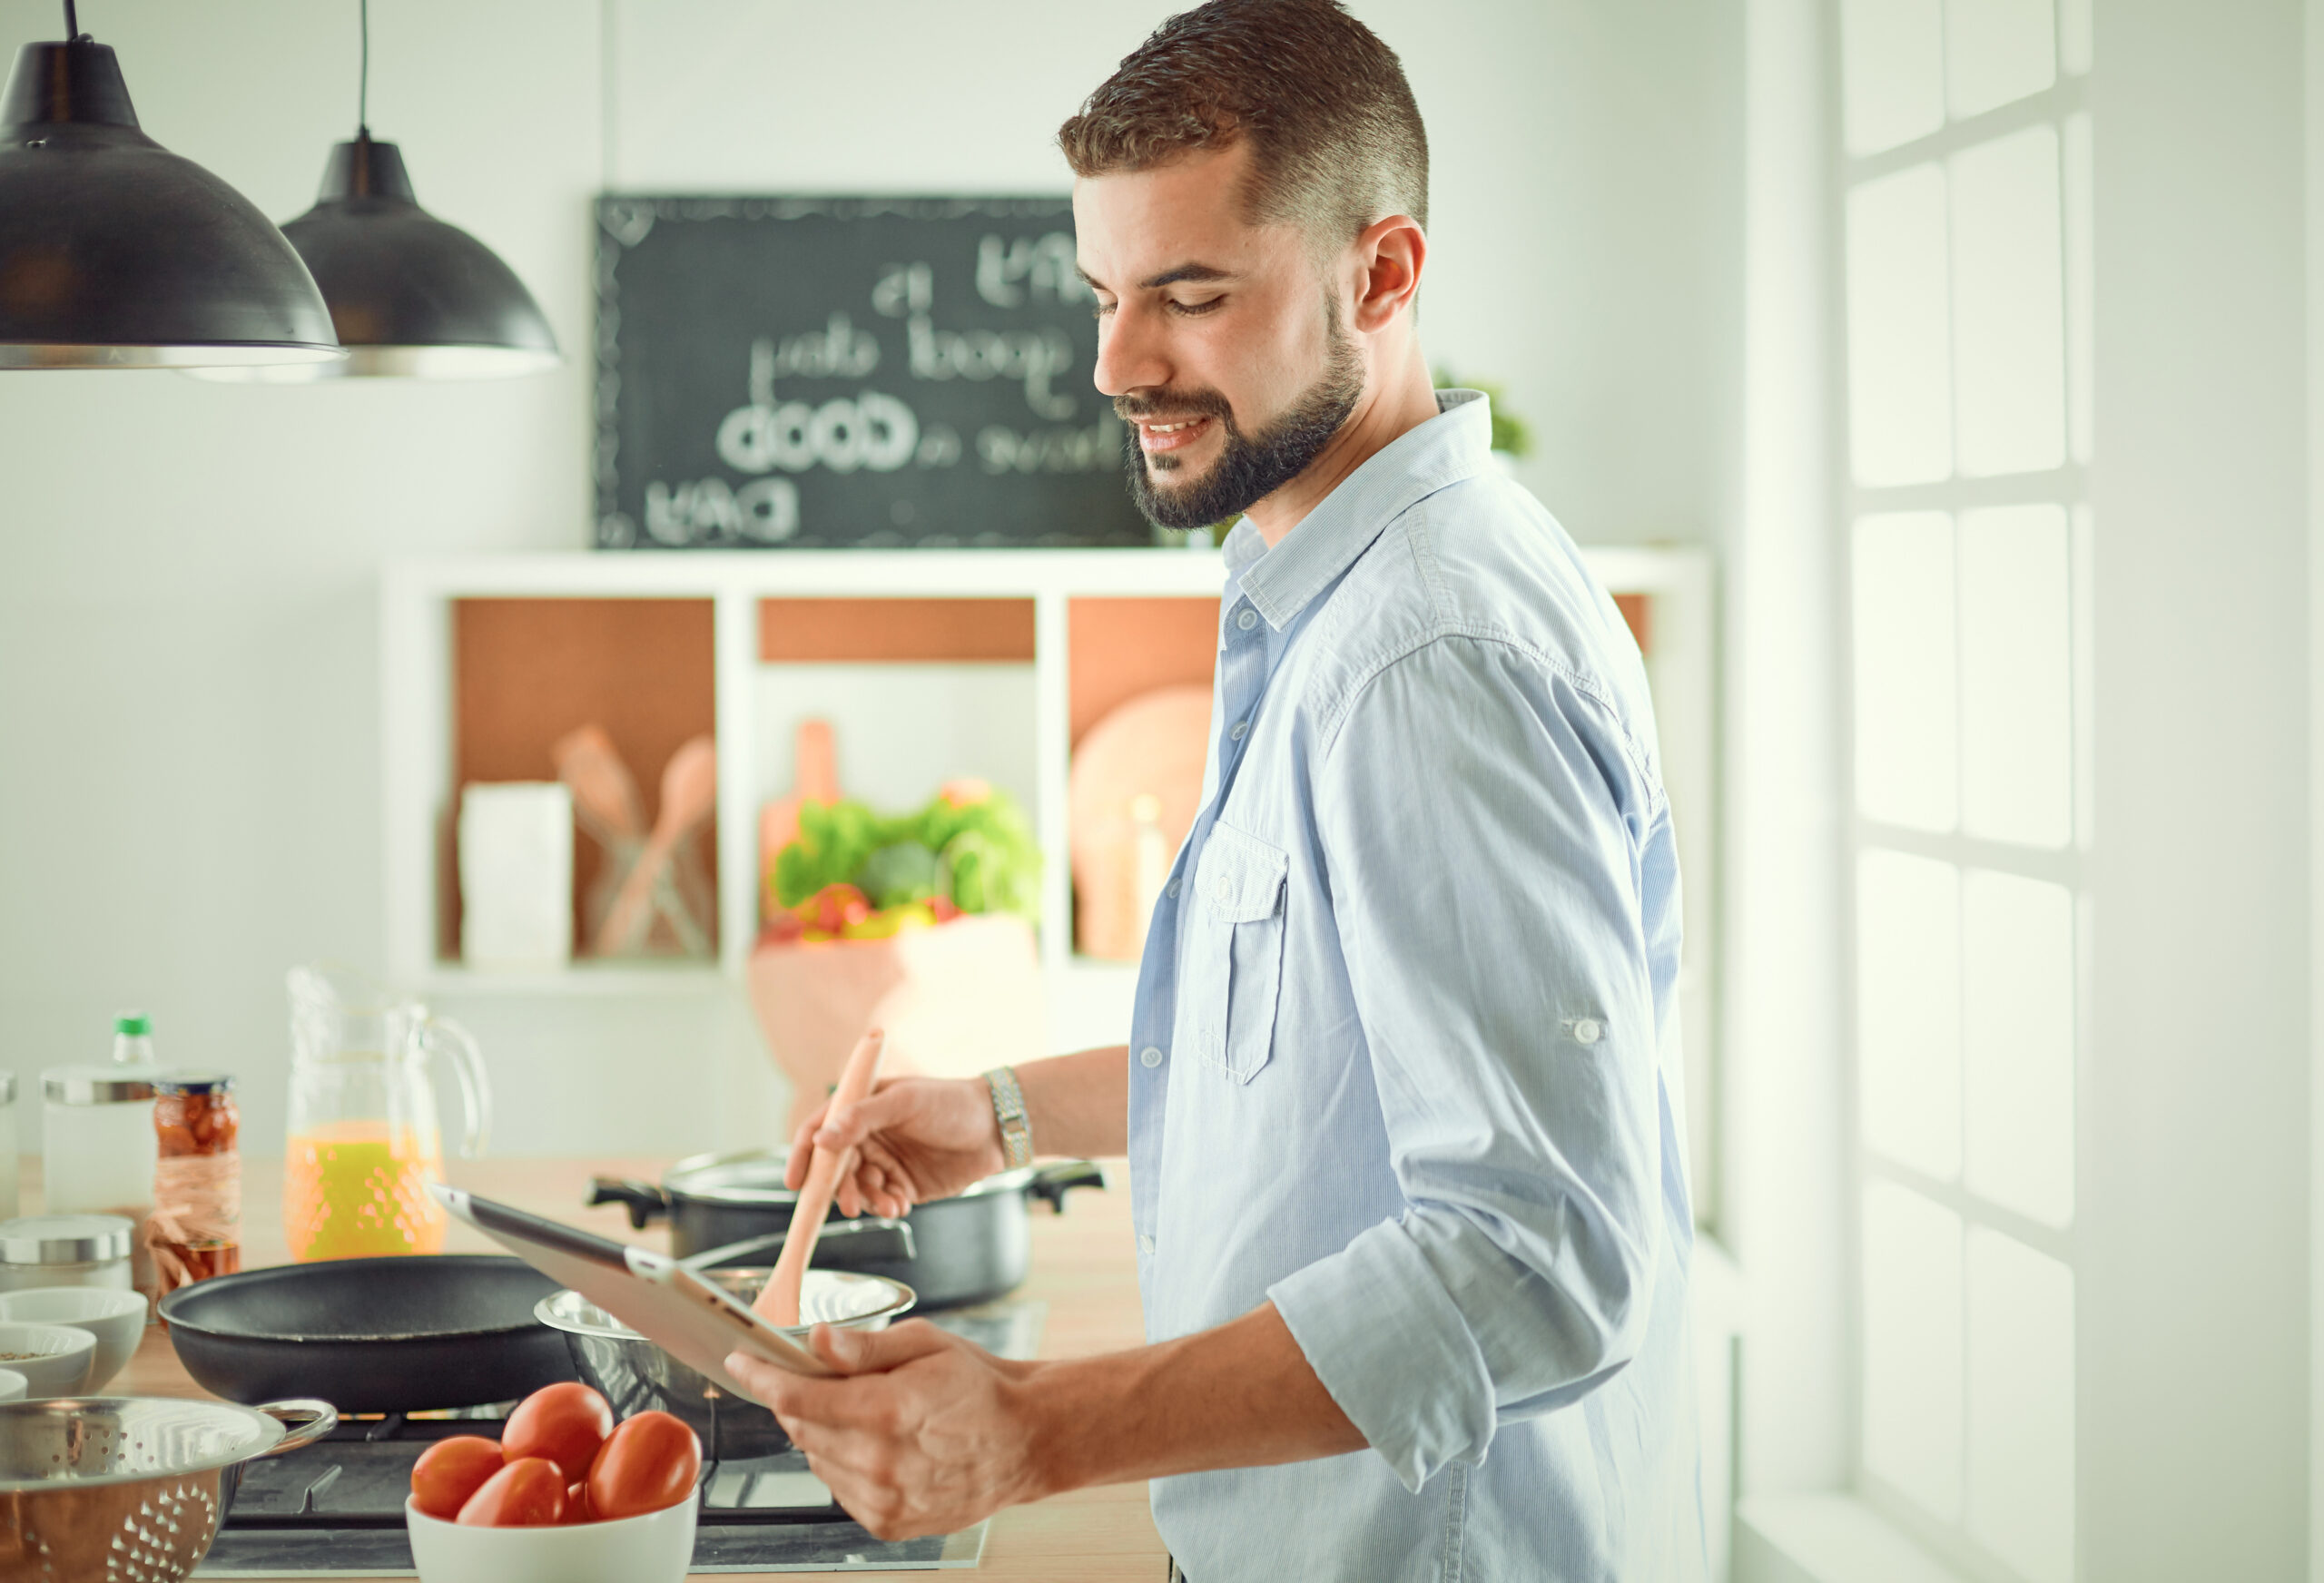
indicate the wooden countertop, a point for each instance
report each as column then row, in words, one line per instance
column 1084, row 1265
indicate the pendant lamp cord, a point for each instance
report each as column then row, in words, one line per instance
column 71, row 22
column 363, row 86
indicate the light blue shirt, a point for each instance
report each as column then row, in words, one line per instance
column 1405, row 1053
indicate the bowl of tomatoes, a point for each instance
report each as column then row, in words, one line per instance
column 565, row 1495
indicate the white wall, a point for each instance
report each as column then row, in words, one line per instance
column 188, row 678
column 2191, row 1229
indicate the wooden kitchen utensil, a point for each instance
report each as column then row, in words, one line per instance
column 689, row 797
column 779, row 1300
column 814, row 779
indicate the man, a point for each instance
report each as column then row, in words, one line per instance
column 1401, row 1096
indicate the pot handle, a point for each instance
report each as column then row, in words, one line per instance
column 1051, row 1183
column 646, row 1202
column 314, row 1420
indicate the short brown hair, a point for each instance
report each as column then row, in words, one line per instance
column 1337, row 141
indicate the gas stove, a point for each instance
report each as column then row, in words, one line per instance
column 337, row 1505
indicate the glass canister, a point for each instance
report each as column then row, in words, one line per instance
column 195, row 1231
column 7, row 1146
column 66, row 1250
column 363, row 1144
column 97, row 1150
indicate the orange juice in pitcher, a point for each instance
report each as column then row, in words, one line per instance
column 363, row 1144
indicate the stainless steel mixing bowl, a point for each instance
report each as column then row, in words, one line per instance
column 129, row 1489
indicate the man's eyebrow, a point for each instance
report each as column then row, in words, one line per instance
column 1166, row 278
column 1183, row 273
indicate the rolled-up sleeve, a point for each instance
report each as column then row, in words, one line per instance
column 1489, row 912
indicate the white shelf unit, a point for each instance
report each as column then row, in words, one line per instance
column 417, row 600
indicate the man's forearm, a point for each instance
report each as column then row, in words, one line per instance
column 1078, row 1104
column 1241, row 1396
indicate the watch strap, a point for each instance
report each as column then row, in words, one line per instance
column 1009, row 1110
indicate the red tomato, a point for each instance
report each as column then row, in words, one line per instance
column 565, row 1424
column 527, row 1493
column 451, row 1471
column 577, row 1504
column 649, row 1463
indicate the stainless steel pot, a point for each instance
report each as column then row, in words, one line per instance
column 96, row 1488
column 635, row 1375
column 971, row 1248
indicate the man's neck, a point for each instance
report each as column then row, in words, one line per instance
column 1400, row 403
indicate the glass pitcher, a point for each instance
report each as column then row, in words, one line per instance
column 363, row 1144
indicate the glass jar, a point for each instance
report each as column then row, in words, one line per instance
column 196, row 1230
column 66, row 1250
column 7, row 1146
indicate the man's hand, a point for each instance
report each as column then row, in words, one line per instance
column 916, row 1139
column 924, row 1434
column 927, row 1434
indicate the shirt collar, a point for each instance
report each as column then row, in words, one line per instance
column 1456, row 444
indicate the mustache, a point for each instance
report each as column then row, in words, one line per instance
column 1133, row 405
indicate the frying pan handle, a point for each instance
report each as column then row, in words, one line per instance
column 644, row 1201
column 1051, row 1183
column 314, row 1420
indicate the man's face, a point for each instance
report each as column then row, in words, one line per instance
column 1219, row 340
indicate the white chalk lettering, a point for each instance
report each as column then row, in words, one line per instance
column 707, row 512
column 1035, row 357
column 1043, row 264
column 1096, row 449
column 872, row 430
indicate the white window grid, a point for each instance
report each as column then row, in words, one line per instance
column 2066, row 487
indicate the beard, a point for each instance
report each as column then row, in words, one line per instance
column 1251, row 467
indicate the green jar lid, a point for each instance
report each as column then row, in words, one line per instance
column 135, row 1024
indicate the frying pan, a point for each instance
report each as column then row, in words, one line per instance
column 407, row 1335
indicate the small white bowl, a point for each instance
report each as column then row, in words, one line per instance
column 116, row 1319
column 656, row 1548
column 54, row 1359
column 12, row 1385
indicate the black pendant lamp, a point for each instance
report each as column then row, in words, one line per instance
column 116, row 253
column 410, row 296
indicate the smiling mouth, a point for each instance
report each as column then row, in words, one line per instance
column 1155, row 437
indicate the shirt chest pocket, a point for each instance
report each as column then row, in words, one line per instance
column 1232, row 969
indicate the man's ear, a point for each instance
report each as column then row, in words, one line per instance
column 1389, row 255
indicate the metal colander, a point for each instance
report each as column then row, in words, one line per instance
column 126, row 1489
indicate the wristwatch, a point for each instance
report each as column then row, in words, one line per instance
column 1009, row 1110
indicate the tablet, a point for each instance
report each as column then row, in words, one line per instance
column 656, row 1296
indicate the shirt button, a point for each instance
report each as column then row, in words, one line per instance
column 1150, row 1056
column 1172, row 891
column 1221, row 889
column 1247, row 620
column 1145, row 1243
column 1587, row 1030
column 1242, row 729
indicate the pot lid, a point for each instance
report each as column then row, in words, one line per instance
column 65, row 1239
column 755, row 1177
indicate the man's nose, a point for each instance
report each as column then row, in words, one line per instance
column 1129, row 353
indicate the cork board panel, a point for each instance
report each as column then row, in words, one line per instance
column 1119, row 648
column 528, row 671
column 1637, row 609
column 921, row 630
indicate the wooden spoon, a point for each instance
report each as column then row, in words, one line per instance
column 689, row 796
column 779, row 1300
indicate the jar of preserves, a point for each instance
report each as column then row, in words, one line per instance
column 196, row 1229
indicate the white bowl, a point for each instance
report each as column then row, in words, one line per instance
column 54, row 1359
column 658, row 1548
column 116, row 1319
column 12, row 1385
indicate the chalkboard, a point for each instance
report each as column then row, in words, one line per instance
column 863, row 372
